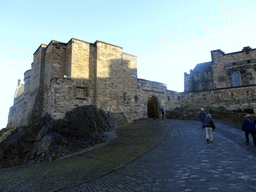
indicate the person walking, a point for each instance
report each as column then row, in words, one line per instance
column 248, row 127
column 202, row 115
column 162, row 113
column 209, row 127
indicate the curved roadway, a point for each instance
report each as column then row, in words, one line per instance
column 184, row 161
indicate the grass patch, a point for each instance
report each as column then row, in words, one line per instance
column 133, row 139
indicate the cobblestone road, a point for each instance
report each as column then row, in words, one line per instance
column 184, row 161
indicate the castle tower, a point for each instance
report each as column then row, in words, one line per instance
column 27, row 76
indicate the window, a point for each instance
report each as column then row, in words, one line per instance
column 82, row 93
column 136, row 98
column 124, row 96
column 235, row 77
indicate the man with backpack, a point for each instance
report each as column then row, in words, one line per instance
column 209, row 127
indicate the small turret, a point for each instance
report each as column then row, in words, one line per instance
column 27, row 81
column 19, row 82
column 19, row 89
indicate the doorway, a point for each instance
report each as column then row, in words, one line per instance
column 153, row 108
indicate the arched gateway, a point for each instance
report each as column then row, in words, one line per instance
column 153, row 108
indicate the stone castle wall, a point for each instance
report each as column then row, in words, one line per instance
column 66, row 75
column 229, row 98
column 29, row 101
column 65, row 94
column 109, row 77
column 225, row 70
column 243, row 63
column 147, row 89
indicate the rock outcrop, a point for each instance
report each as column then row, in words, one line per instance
column 49, row 139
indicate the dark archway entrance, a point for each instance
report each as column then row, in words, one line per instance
column 153, row 108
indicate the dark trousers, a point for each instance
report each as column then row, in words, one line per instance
column 202, row 123
column 253, row 136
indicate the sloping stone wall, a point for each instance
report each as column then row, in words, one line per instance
column 229, row 98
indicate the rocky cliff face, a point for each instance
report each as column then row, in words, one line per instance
column 49, row 139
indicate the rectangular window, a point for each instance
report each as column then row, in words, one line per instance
column 136, row 98
column 235, row 77
column 124, row 96
column 82, row 93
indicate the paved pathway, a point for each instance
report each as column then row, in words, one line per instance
column 184, row 161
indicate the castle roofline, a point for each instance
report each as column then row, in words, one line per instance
column 245, row 49
column 42, row 45
column 107, row 43
column 77, row 40
column 45, row 45
column 202, row 67
column 155, row 82
column 93, row 43
column 129, row 54
column 54, row 41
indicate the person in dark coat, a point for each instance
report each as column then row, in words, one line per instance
column 202, row 115
column 248, row 127
column 162, row 111
column 209, row 127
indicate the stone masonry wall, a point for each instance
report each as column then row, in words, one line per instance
column 66, row 75
column 24, row 105
column 149, row 89
column 27, row 76
column 221, row 59
column 55, row 66
column 229, row 98
column 16, row 111
column 65, row 94
column 80, row 59
column 68, row 58
column 109, row 83
column 130, row 86
column 92, row 69
column 37, row 102
column 58, row 59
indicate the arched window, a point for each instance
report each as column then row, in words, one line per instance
column 235, row 77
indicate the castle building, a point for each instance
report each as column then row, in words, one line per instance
column 64, row 76
column 228, row 81
column 224, row 71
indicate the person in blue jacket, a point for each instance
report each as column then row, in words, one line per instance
column 248, row 127
column 201, row 116
column 209, row 127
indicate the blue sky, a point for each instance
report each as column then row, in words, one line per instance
column 169, row 37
